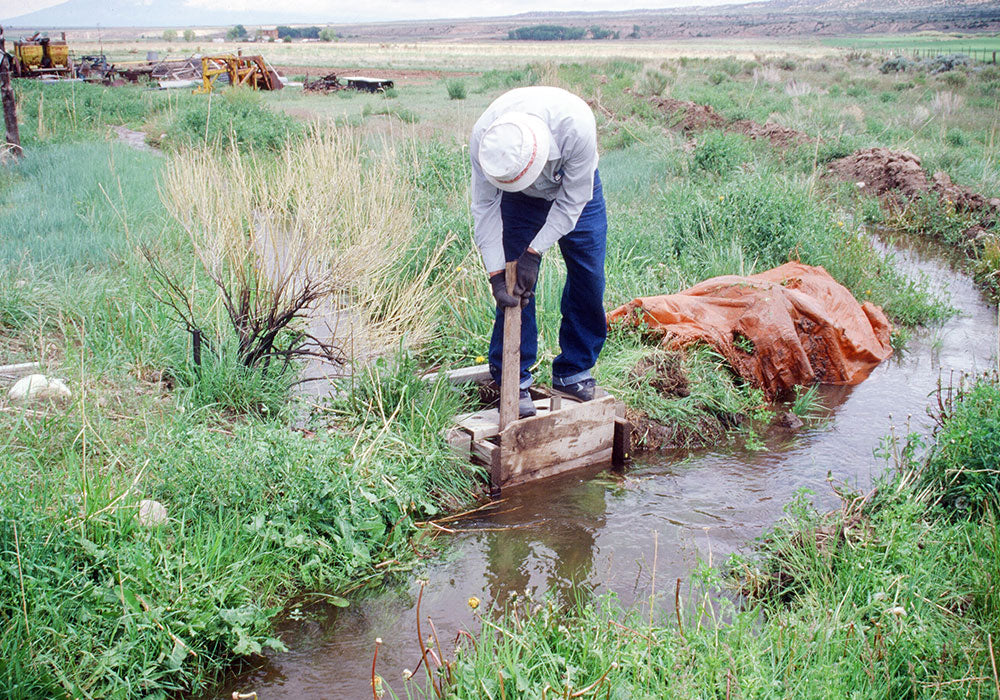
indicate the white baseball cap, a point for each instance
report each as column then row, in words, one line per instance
column 514, row 150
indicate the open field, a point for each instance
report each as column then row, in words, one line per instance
column 463, row 56
column 110, row 257
column 936, row 41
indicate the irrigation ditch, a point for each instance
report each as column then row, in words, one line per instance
column 637, row 534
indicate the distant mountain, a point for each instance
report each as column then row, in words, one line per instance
column 869, row 5
column 754, row 18
column 159, row 13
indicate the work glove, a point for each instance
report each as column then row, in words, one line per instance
column 527, row 275
column 499, row 285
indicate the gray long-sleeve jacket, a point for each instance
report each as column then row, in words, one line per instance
column 567, row 179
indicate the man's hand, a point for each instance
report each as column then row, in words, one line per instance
column 499, row 285
column 527, row 274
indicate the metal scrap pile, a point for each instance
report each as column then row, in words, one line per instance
column 328, row 83
column 182, row 73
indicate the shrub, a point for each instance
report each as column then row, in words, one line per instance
column 717, row 77
column 653, row 82
column 943, row 63
column 954, row 79
column 546, row 32
column 730, row 66
column 720, row 151
column 896, row 64
column 963, row 467
column 456, row 89
column 956, row 137
column 787, row 64
column 238, row 117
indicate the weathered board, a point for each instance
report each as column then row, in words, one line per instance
column 546, row 444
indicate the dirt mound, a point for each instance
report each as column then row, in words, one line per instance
column 779, row 136
column 790, row 326
column 886, row 173
column 689, row 116
column 663, row 373
column 964, row 198
column 880, row 171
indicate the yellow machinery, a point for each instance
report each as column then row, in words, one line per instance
column 251, row 71
column 38, row 56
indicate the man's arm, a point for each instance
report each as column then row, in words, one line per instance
column 487, row 224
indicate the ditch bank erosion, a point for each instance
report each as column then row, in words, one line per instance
column 634, row 535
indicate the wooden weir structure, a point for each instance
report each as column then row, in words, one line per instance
column 564, row 435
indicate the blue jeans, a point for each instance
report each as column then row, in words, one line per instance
column 583, row 329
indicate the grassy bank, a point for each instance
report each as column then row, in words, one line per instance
column 891, row 595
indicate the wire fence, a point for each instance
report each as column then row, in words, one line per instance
column 980, row 55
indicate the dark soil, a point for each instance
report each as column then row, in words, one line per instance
column 662, row 372
column 883, row 172
column 689, row 116
column 880, row 171
column 649, row 435
column 779, row 136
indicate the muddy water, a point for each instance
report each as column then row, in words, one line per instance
column 636, row 534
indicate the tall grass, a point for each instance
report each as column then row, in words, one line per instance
column 327, row 209
column 78, row 204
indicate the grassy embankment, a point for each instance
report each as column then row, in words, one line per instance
column 892, row 595
column 96, row 605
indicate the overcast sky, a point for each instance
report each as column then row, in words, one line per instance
column 350, row 10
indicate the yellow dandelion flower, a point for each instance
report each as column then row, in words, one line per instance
column 473, row 602
column 480, row 360
column 458, row 269
column 840, row 224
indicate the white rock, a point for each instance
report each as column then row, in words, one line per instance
column 38, row 387
column 151, row 513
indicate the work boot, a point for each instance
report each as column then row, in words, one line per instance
column 582, row 390
column 525, row 406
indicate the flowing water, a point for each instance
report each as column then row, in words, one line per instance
column 632, row 534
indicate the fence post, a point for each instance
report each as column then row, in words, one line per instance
column 13, row 137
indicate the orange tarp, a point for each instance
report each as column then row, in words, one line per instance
column 793, row 325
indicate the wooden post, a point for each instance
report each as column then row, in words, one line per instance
column 510, row 374
column 13, row 137
column 510, row 377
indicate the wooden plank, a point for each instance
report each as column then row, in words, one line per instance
column 489, row 454
column 482, row 424
column 461, row 375
column 460, row 441
column 578, row 431
column 602, row 457
column 621, row 449
column 486, row 423
column 510, row 371
column 484, row 451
